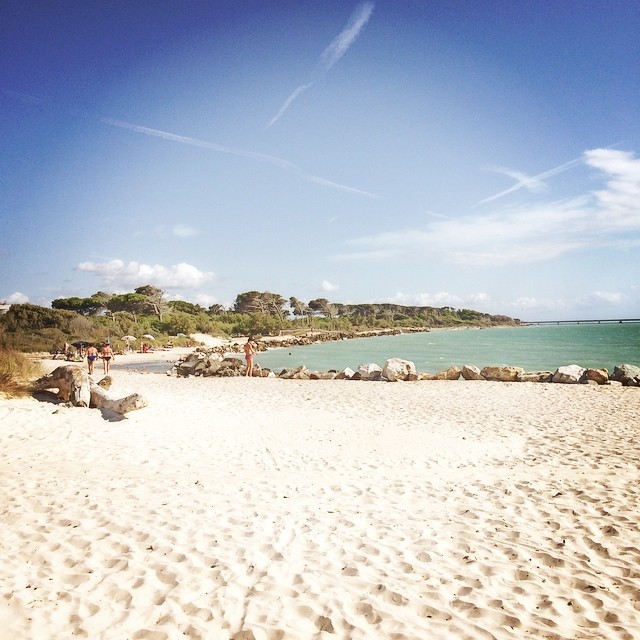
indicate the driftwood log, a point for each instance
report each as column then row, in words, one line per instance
column 75, row 386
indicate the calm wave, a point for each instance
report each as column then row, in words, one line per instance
column 533, row 348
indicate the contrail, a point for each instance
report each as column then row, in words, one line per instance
column 529, row 182
column 332, row 54
column 195, row 142
column 253, row 155
column 288, row 101
column 340, row 45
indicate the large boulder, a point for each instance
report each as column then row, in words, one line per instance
column 599, row 376
column 452, row 373
column 471, row 372
column 502, row 373
column 188, row 366
column 230, row 367
column 322, row 375
column 569, row 374
column 370, row 371
column 536, row 376
column 299, row 373
column 345, row 374
column 395, row 369
column 626, row 374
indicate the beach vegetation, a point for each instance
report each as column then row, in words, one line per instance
column 16, row 373
column 178, row 322
column 84, row 306
column 261, row 302
column 186, row 307
column 102, row 316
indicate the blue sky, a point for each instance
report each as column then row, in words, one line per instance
column 479, row 155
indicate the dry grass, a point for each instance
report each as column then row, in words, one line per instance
column 16, row 373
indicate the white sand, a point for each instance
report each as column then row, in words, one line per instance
column 272, row 509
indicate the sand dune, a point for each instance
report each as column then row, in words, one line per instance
column 272, row 509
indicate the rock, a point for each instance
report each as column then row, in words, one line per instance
column 599, row 376
column 322, row 375
column 627, row 374
column 212, row 369
column 187, row 367
column 299, row 373
column 452, row 373
column 471, row 372
column 370, row 371
column 536, row 376
column 502, row 373
column 395, row 369
column 345, row 374
column 106, row 382
column 569, row 374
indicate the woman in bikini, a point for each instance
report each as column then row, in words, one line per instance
column 249, row 352
column 107, row 354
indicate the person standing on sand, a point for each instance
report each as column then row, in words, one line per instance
column 92, row 354
column 107, row 354
column 249, row 351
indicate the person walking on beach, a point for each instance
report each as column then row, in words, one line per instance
column 249, row 351
column 92, row 354
column 107, row 354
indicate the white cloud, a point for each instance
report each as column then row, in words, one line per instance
column 620, row 201
column 529, row 303
column 116, row 273
column 17, row 298
column 184, row 231
column 527, row 234
column 587, row 306
column 205, row 300
column 440, row 299
column 327, row 286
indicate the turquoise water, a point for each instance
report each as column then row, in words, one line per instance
column 534, row 348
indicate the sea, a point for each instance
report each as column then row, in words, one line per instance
column 532, row 347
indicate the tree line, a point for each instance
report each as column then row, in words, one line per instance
column 147, row 310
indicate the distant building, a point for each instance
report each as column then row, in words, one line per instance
column 4, row 308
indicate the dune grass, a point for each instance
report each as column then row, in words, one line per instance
column 16, row 373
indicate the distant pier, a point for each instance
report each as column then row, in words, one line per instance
column 602, row 321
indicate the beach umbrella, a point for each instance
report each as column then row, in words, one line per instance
column 128, row 338
column 181, row 335
column 148, row 336
column 79, row 344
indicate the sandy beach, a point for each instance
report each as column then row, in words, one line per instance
column 235, row 508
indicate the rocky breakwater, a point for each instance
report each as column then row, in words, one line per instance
column 312, row 337
column 210, row 362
